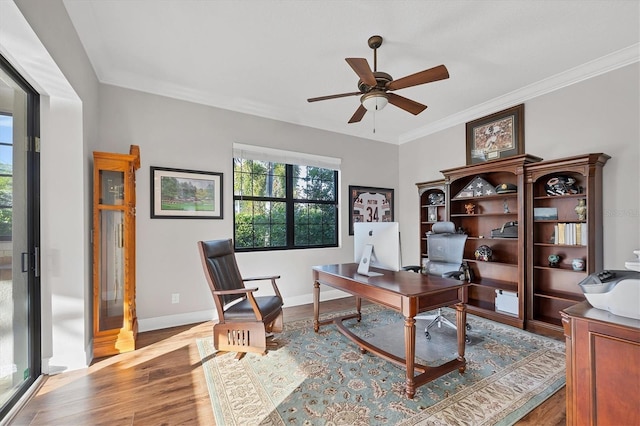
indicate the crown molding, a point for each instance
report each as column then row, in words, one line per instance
column 591, row 69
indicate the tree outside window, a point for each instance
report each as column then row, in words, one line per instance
column 284, row 206
column 6, row 176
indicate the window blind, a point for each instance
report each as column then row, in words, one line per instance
column 261, row 153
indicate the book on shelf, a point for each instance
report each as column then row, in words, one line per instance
column 570, row 234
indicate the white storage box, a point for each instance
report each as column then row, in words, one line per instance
column 507, row 302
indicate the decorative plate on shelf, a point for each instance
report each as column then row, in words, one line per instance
column 436, row 198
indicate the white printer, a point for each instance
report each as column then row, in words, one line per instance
column 634, row 264
column 615, row 291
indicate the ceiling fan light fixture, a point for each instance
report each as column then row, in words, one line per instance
column 375, row 100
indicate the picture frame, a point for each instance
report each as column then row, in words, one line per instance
column 545, row 213
column 496, row 136
column 185, row 194
column 369, row 204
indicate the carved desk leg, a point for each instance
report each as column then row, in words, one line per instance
column 461, row 321
column 316, row 306
column 410, row 354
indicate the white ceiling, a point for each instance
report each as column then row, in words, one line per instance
column 266, row 57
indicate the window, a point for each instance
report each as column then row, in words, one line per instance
column 283, row 200
column 6, row 176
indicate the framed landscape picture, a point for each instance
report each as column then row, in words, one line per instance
column 496, row 136
column 185, row 194
column 367, row 204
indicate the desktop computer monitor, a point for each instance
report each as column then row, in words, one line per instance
column 376, row 244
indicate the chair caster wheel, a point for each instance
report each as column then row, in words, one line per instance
column 427, row 335
column 468, row 327
column 466, row 339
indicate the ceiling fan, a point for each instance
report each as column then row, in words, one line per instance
column 376, row 86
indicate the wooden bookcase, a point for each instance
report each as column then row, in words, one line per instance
column 433, row 208
column 506, row 270
column 115, row 324
column 552, row 289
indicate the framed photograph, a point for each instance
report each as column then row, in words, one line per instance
column 185, row 194
column 496, row 136
column 368, row 204
column 545, row 213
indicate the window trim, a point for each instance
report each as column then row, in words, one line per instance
column 289, row 201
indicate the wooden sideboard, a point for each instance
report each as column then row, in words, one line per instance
column 603, row 367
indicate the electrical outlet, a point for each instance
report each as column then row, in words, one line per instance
column 175, row 298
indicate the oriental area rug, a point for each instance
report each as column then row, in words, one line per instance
column 324, row 379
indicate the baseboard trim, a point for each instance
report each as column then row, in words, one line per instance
column 168, row 321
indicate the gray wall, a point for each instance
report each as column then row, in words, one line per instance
column 596, row 115
column 178, row 134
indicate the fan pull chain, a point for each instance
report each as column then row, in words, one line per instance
column 374, row 121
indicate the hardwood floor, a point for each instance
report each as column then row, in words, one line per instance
column 162, row 383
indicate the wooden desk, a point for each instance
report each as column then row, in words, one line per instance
column 406, row 292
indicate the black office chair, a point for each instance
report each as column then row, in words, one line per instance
column 445, row 249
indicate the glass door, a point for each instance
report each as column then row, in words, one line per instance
column 20, row 352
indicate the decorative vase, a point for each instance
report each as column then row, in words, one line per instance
column 577, row 264
column 553, row 259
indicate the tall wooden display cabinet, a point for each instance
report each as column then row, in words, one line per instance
column 555, row 190
column 433, row 208
column 113, row 238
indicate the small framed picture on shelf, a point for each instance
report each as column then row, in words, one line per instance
column 496, row 136
column 545, row 213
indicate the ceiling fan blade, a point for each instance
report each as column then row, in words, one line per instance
column 408, row 105
column 357, row 116
column 427, row 76
column 362, row 68
column 341, row 95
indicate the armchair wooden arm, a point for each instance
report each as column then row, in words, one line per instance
column 266, row 277
column 273, row 279
column 234, row 291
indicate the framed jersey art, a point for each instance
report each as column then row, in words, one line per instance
column 368, row 204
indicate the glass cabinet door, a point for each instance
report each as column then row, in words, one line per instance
column 111, row 267
column 111, row 248
column 111, row 187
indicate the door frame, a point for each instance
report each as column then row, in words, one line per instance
column 33, row 238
